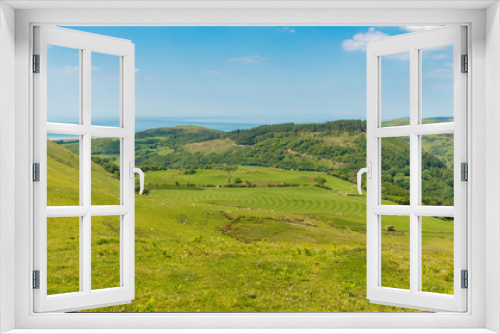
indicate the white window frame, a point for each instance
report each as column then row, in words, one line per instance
column 414, row 43
column 16, row 217
column 86, row 44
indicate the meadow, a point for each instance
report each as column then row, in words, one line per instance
column 249, row 239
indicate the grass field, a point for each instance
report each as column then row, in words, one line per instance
column 257, row 176
column 279, row 244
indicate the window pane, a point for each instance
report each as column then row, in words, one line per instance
column 437, row 84
column 395, row 89
column 105, row 90
column 395, row 167
column 63, row 85
column 63, row 255
column 106, row 171
column 437, row 254
column 63, row 170
column 105, row 252
column 437, row 169
column 395, row 251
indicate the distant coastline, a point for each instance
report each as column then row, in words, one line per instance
column 142, row 124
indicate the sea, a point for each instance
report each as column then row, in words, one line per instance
column 142, row 124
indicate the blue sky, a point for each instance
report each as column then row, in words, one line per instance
column 257, row 75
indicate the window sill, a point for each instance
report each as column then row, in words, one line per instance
column 251, row 331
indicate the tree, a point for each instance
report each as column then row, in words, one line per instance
column 320, row 180
column 228, row 169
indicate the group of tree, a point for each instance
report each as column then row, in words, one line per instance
column 310, row 147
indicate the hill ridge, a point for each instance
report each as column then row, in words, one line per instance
column 337, row 148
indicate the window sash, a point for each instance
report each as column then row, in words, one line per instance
column 414, row 297
column 86, row 298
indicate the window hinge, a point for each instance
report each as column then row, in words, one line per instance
column 36, row 172
column 464, row 171
column 465, row 279
column 465, row 64
column 36, row 279
column 36, row 63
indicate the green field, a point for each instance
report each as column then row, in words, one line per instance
column 271, row 240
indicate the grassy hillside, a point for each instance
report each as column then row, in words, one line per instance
column 336, row 148
column 244, row 176
column 63, row 233
column 283, row 245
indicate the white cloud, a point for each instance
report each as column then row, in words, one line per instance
column 358, row 42
column 211, row 72
column 66, row 69
column 95, row 68
column 137, row 70
column 247, row 59
column 287, row 30
column 441, row 73
column 416, row 28
column 441, row 56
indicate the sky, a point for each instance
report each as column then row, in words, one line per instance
column 255, row 75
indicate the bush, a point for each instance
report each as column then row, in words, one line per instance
column 138, row 187
column 390, row 228
column 320, row 180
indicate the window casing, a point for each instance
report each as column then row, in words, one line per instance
column 476, row 317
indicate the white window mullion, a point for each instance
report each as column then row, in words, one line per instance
column 85, row 251
column 40, row 156
column 77, row 129
column 414, row 171
column 417, row 164
column 123, row 175
column 86, row 177
column 399, row 131
column 102, row 131
column 127, row 241
column 82, row 220
column 85, row 153
column 373, row 273
column 405, row 210
column 434, row 129
column 460, row 190
column 67, row 129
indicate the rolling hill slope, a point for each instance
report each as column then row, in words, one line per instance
column 227, row 249
column 337, row 148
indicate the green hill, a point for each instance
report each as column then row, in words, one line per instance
column 281, row 244
column 337, row 148
column 63, row 233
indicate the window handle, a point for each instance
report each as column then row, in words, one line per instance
column 133, row 171
column 368, row 171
